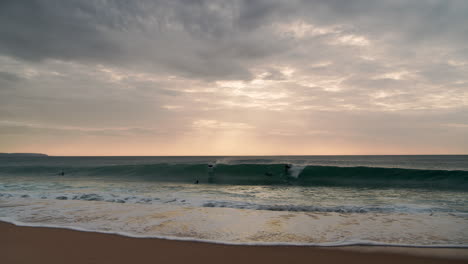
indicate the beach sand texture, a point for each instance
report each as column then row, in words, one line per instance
column 54, row 245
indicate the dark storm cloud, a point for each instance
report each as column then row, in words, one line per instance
column 207, row 39
column 183, row 36
column 36, row 30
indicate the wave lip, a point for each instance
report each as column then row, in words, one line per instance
column 262, row 174
column 383, row 177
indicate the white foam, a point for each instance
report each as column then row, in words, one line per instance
column 295, row 170
column 237, row 226
column 190, row 239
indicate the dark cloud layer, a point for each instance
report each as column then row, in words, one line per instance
column 222, row 36
column 36, row 30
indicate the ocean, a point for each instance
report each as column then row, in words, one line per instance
column 417, row 201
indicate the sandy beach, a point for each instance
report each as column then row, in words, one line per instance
column 53, row 245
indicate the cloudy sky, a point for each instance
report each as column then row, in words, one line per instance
column 240, row 77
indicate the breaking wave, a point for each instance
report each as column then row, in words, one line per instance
column 261, row 174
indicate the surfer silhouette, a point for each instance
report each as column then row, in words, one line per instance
column 196, row 182
column 210, row 173
column 62, row 173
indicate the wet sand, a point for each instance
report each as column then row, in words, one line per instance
column 54, row 245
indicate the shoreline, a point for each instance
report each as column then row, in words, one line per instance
column 253, row 244
column 24, row 244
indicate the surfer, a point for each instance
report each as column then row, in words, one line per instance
column 287, row 167
column 196, row 182
column 210, row 173
column 62, row 173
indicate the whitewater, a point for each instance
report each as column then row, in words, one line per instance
column 297, row 200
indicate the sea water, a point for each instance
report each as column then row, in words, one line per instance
column 307, row 200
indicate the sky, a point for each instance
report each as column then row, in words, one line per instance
column 239, row 77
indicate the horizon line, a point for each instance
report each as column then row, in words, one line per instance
column 269, row 155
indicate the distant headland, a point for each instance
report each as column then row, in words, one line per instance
column 23, row 155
